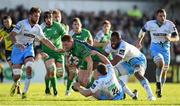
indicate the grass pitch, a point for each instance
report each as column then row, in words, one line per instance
column 36, row 96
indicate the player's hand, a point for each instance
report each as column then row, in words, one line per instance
column 168, row 38
column 76, row 85
column 21, row 46
column 44, row 55
column 85, row 79
column 138, row 45
column 60, row 50
column 93, row 52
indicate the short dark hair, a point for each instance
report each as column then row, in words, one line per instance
column 6, row 17
column 47, row 14
column 102, row 69
column 34, row 10
column 116, row 34
column 67, row 38
column 160, row 11
column 106, row 22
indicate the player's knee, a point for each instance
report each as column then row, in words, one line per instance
column 139, row 69
column 165, row 68
column 139, row 75
column 60, row 72
column 159, row 60
column 17, row 74
column 51, row 67
column 29, row 65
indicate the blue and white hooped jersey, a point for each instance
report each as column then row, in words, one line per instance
column 107, row 84
column 157, row 32
column 26, row 34
column 125, row 50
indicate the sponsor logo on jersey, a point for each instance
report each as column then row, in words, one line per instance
column 29, row 35
column 159, row 34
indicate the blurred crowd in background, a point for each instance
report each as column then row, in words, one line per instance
column 128, row 24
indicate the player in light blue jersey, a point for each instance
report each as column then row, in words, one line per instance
column 106, row 85
column 162, row 32
column 23, row 36
column 128, row 60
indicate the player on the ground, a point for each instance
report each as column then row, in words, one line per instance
column 105, row 86
column 23, row 36
column 162, row 32
column 129, row 60
column 55, row 61
column 4, row 35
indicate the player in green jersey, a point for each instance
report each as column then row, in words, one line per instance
column 55, row 61
column 102, row 38
column 83, row 51
column 81, row 34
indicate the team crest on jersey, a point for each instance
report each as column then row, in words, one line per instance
column 121, row 52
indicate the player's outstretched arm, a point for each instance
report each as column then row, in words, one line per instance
column 102, row 57
column 82, row 90
column 49, row 44
column 140, row 38
column 174, row 37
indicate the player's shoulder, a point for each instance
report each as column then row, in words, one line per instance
column 37, row 26
column 85, row 30
column 24, row 21
column 123, row 44
column 168, row 22
column 151, row 22
column 43, row 25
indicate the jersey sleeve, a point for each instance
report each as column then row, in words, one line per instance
column 1, row 33
column 18, row 28
column 122, row 51
column 95, row 86
column 89, row 36
column 146, row 27
column 172, row 28
column 108, row 49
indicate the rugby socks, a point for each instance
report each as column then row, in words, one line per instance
column 47, row 83
column 69, row 84
column 145, row 84
column 54, row 83
column 126, row 89
column 158, row 75
column 163, row 79
column 27, row 83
